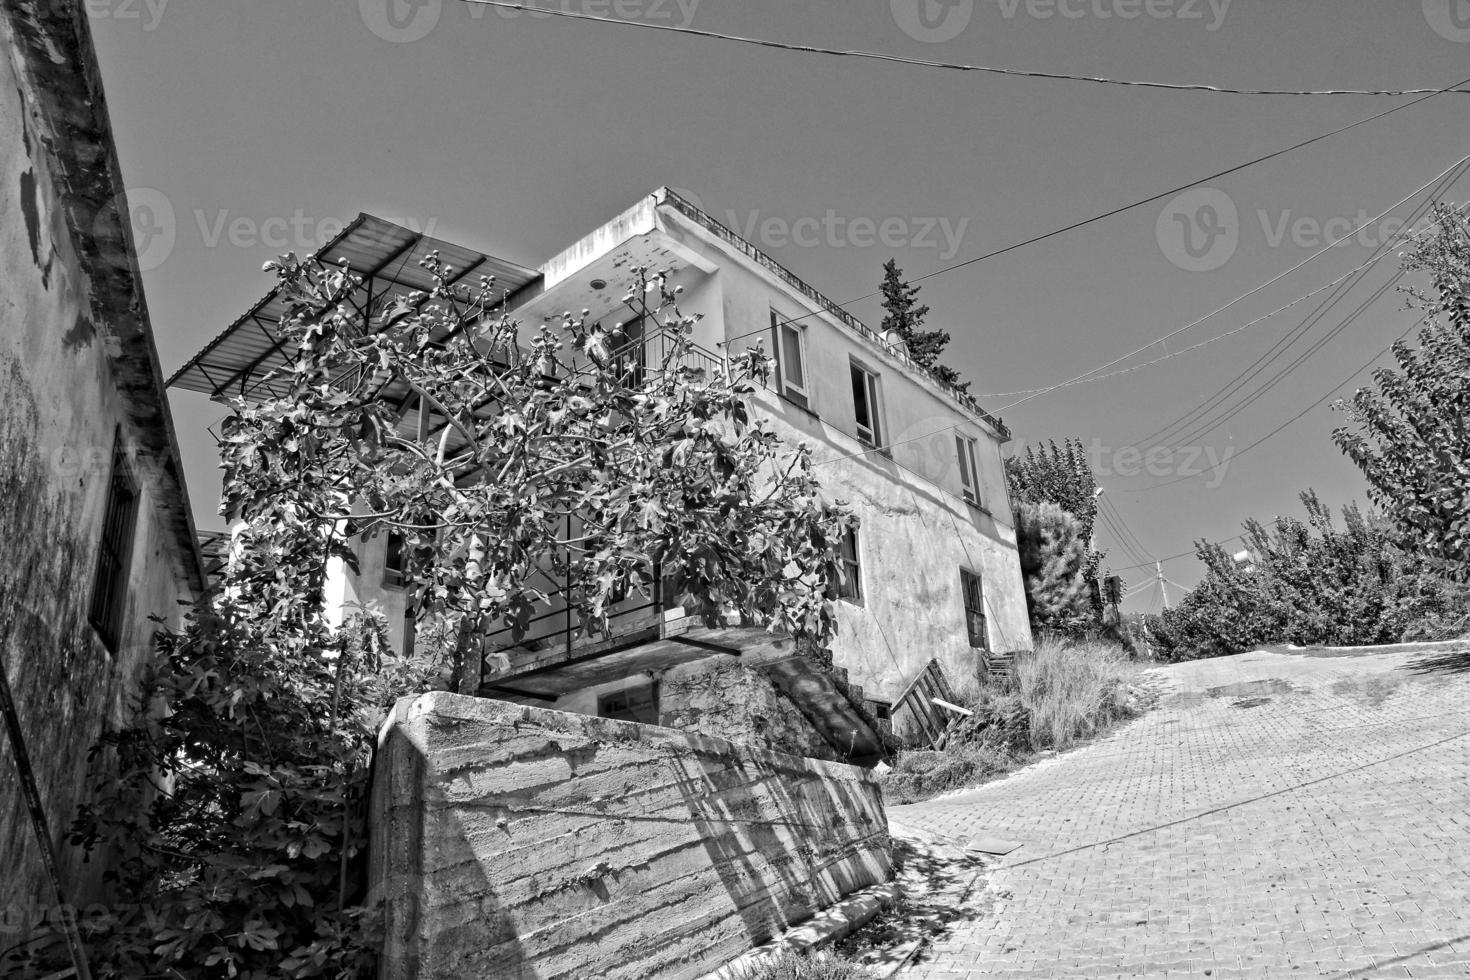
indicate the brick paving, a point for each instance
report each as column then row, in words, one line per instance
column 1312, row 819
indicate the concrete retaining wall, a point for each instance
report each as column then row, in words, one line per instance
column 519, row 843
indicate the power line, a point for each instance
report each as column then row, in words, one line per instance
column 947, row 65
column 1182, row 554
column 1084, row 376
column 1270, row 282
column 1205, row 408
column 1295, row 417
column 1109, row 214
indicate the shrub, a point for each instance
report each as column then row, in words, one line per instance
column 919, row 775
column 1311, row 583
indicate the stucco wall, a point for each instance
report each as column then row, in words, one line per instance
column 59, row 409
column 527, row 844
column 917, row 530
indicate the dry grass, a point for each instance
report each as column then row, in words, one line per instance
column 800, row 966
column 1060, row 694
column 1072, row 690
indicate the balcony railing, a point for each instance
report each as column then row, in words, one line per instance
column 713, row 225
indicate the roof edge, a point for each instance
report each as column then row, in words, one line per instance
column 50, row 46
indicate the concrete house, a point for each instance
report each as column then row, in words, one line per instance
column 934, row 574
column 95, row 526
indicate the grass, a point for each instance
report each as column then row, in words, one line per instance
column 802, row 966
column 1072, row 690
column 1059, row 695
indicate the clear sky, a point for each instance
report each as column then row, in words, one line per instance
column 263, row 126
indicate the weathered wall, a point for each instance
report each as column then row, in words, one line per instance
column 917, row 529
column 61, row 366
column 518, row 843
column 721, row 698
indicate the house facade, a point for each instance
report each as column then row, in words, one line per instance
column 95, row 526
column 933, row 572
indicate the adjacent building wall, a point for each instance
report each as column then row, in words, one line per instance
column 77, row 374
column 527, row 844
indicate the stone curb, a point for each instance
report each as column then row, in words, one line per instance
column 827, row 926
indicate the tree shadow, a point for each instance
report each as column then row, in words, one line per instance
column 1440, row 662
column 941, row 885
column 783, row 843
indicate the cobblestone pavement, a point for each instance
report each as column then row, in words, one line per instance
column 1277, row 815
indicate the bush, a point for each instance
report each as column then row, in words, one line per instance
column 921, row 774
column 1311, row 584
column 798, row 966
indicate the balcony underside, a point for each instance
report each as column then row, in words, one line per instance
column 652, row 642
column 657, row 641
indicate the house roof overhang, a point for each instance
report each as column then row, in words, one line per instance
column 386, row 257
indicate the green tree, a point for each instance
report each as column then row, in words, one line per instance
column 1311, row 582
column 903, row 316
column 1411, row 436
column 1054, row 560
column 235, row 805
column 1062, row 475
column 1057, row 474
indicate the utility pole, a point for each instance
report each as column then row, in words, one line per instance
column 1163, row 589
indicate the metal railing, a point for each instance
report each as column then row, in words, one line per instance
column 714, row 225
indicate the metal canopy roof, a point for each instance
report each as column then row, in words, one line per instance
column 384, row 255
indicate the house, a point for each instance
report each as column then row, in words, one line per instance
column 934, row 574
column 95, row 526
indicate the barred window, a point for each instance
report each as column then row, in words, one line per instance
column 974, row 593
column 119, row 520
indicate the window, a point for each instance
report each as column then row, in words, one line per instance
column 969, row 471
column 110, row 584
column 866, row 406
column 974, row 594
column 790, row 342
column 638, row 704
column 852, row 569
column 395, row 563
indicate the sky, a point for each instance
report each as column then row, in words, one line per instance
column 249, row 129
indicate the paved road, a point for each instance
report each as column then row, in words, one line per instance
column 1275, row 816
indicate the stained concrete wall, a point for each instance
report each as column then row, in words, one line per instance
column 74, row 363
column 518, row 843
